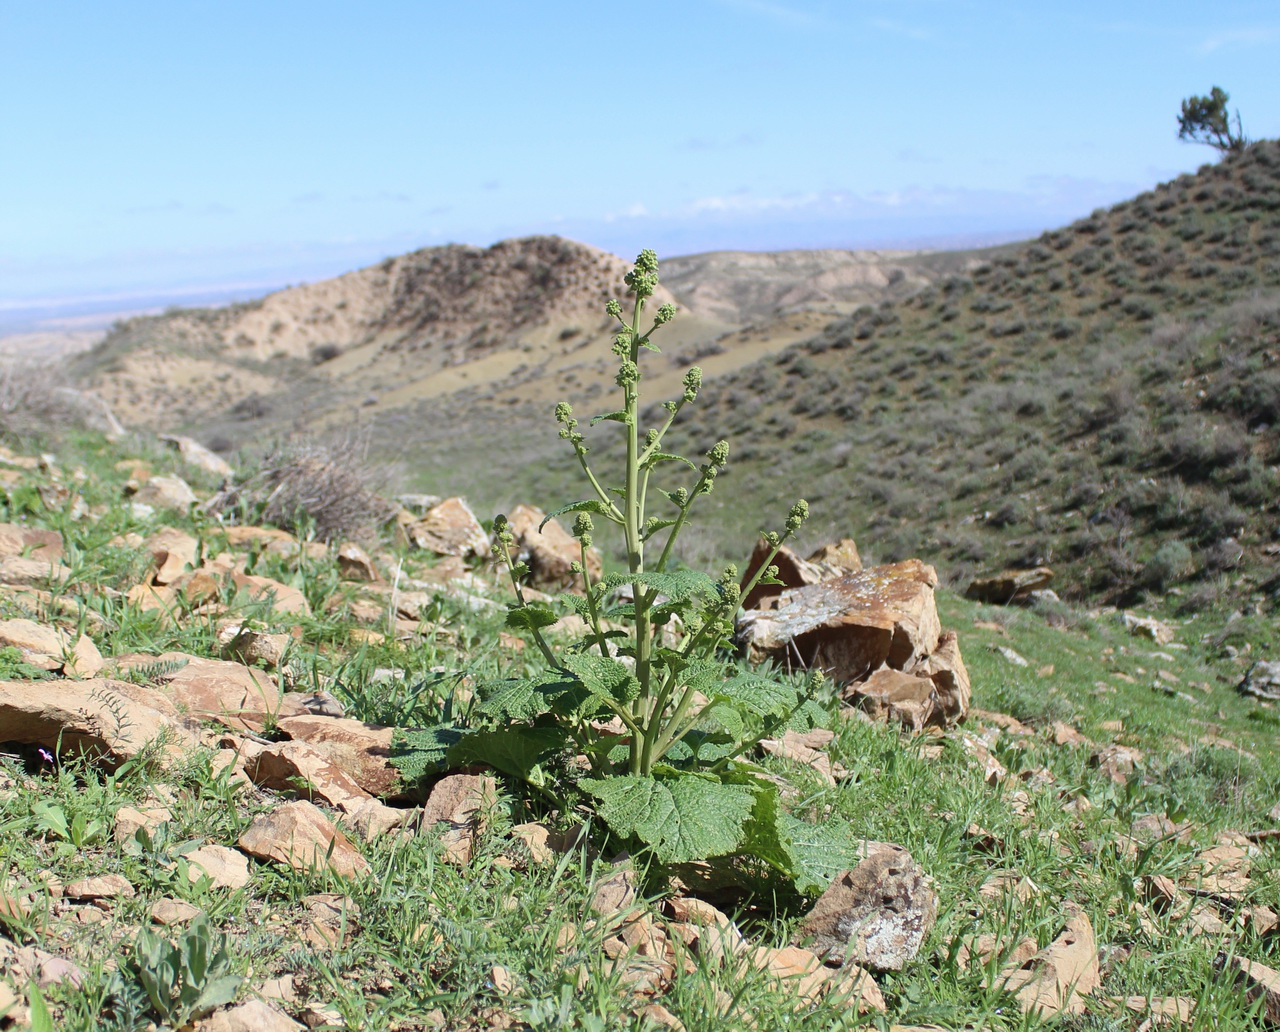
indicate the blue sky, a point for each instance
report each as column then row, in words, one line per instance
column 179, row 146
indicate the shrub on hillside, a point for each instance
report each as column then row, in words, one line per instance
column 308, row 485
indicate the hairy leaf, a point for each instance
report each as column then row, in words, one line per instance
column 514, row 750
column 681, row 817
column 760, row 695
column 587, row 505
column 420, row 752
column 531, row 617
column 604, row 676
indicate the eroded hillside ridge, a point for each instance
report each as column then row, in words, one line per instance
column 445, row 306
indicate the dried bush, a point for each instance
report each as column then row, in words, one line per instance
column 36, row 404
column 323, row 486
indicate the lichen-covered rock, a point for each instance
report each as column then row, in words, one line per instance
column 876, row 915
column 1009, row 585
column 850, row 625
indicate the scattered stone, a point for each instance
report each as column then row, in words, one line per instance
column 1259, row 981
column 316, row 1015
column 549, row 550
column 1065, row 734
column 301, row 768
column 459, row 801
column 30, row 542
column 226, row 868
column 362, row 750
column 129, row 820
column 899, row 698
column 173, row 552
column 617, row 894
column 233, row 694
column 448, row 528
column 172, row 912
column 804, row 747
column 354, row 564
column 255, row 648
column 253, row 1016
column 51, row 648
column 875, row 915
column 1116, row 762
column 196, row 454
column 1262, row 681
column 1054, row 980
column 299, row 835
column 166, row 493
column 105, row 886
column 1013, row 657
column 1148, row 627
column 658, row 1015
column 1009, row 585
column 1008, row 883
column 20, row 572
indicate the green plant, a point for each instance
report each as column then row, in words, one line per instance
column 78, row 830
column 647, row 698
column 1207, row 120
column 176, row 982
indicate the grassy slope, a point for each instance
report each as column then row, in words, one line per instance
column 429, row 934
column 1105, row 400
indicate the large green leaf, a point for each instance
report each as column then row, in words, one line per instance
column 816, row 853
column 760, row 695
column 419, row 752
column 514, row 750
column 681, row 817
column 604, row 676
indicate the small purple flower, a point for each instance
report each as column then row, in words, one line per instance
column 46, row 755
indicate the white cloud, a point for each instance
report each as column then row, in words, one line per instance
column 1256, row 36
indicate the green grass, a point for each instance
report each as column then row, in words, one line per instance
column 429, row 934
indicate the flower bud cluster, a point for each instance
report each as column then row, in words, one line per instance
column 798, row 514
column 622, row 345
column 665, row 314
column 692, row 383
column 583, row 527
column 613, row 309
column 643, row 279
column 568, row 432
column 628, row 373
column 503, row 538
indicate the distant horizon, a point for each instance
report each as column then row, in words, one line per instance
column 98, row 311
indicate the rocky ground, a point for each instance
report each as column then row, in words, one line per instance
column 1074, row 825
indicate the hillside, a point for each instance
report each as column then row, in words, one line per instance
column 523, row 315
column 1104, row 399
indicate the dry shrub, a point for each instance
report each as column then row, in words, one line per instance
column 32, row 403
column 323, row 486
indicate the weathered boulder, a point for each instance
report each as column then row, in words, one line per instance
column 1148, row 627
column 876, row 915
column 549, row 551
column 1009, row 585
column 253, row 647
column 110, row 720
column 299, row 835
column 850, row 625
column 362, row 750
column 1262, row 681
column 900, row 698
column 449, row 528
column 20, row 571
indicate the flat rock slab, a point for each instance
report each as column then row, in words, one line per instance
column 51, row 648
column 299, row 835
column 111, row 720
column 33, row 542
column 254, row 1016
column 362, row 750
column 935, row 692
column 850, row 625
column 299, row 767
column 1054, row 980
column 235, row 695
column 876, row 915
